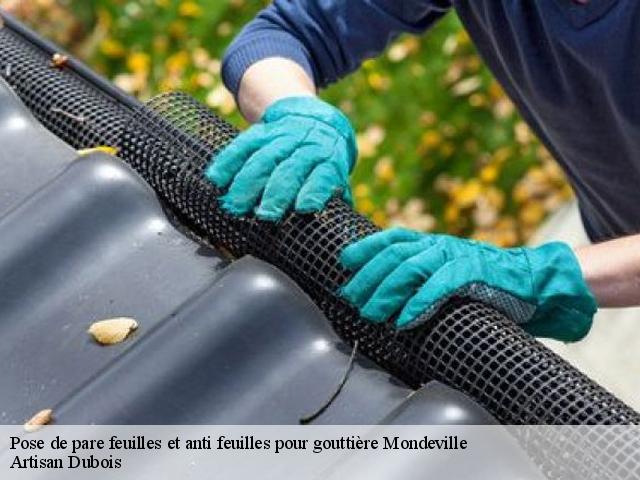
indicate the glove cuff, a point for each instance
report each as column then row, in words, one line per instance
column 312, row 107
column 566, row 305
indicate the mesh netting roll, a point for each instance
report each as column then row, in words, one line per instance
column 467, row 345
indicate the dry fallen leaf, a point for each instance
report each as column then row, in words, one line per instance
column 113, row 330
column 59, row 60
column 100, row 148
column 43, row 417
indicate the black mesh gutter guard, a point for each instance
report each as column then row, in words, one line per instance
column 468, row 346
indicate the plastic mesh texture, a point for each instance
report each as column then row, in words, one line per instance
column 68, row 106
column 582, row 452
column 467, row 345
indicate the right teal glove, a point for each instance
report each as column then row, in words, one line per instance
column 413, row 274
column 300, row 154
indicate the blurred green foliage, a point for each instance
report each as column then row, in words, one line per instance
column 442, row 148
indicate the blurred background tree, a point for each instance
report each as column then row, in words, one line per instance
column 441, row 147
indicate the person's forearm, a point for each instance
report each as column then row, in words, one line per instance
column 329, row 39
column 612, row 270
column 269, row 80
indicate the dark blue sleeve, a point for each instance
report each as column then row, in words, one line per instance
column 328, row 38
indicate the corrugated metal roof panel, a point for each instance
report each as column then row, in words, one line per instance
column 85, row 239
column 20, row 131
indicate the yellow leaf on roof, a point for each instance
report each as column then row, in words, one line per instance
column 43, row 417
column 113, row 330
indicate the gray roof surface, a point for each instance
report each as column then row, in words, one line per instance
column 85, row 239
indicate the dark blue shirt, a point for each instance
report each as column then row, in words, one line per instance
column 570, row 66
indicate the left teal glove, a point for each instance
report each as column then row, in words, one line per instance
column 412, row 273
column 299, row 155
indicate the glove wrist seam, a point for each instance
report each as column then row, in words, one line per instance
column 532, row 278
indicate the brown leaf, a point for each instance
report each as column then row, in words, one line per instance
column 43, row 417
column 59, row 60
column 113, row 330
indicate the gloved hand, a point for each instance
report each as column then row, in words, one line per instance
column 412, row 273
column 300, row 154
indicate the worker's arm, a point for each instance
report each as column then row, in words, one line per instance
column 612, row 270
column 550, row 290
column 300, row 151
column 327, row 38
column 269, row 80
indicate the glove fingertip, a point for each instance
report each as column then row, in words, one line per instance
column 308, row 203
column 270, row 215
column 231, row 207
column 405, row 322
column 214, row 176
column 343, row 292
column 309, row 207
column 372, row 315
column 349, row 258
column 372, row 319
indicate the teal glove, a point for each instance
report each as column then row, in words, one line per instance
column 412, row 273
column 301, row 153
